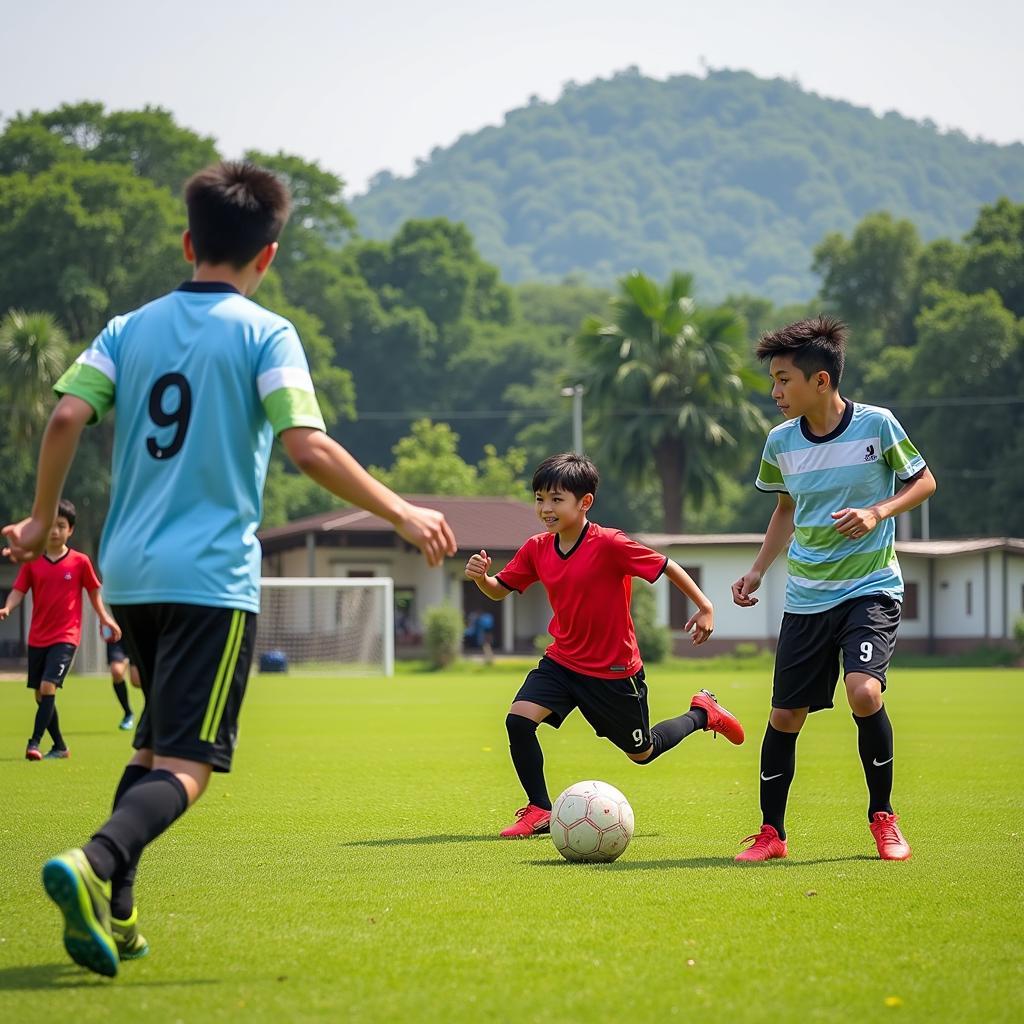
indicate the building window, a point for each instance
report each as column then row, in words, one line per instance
column 910, row 612
column 970, row 597
column 679, row 607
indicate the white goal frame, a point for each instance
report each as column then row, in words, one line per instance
column 92, row 660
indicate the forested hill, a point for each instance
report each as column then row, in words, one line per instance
column 731, row 177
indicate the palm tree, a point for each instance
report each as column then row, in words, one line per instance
column 34, row 352
column 667, row 383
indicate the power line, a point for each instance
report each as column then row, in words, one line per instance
column 959, row 401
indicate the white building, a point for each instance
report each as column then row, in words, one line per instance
column 961, row 594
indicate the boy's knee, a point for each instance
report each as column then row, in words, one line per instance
column 645, row 757
column 788, row 719
column 519, row 727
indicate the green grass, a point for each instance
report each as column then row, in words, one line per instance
column 348, row 869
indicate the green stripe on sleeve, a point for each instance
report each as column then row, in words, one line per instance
column 852, row 567
column 86, row 382
column 902, row 455
column 293, row 407
column 770, row 477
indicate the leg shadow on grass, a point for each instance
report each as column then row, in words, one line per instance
column 68, row 976
column 425, row 840
column 638, row 865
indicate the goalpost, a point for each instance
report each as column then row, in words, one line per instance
column 307, row 626
column 327, row 625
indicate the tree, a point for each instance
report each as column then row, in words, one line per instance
column 427, row 462
column 666, row 389
column 34, row 352
column 870, row 279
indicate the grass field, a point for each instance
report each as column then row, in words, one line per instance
column 349, row 868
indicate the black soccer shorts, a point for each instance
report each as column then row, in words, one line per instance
column 193, row 663
column 861, row 632
column 116, row 652
column 615, row 708
column 49, row 664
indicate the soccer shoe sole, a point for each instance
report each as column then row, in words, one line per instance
column 84, row 938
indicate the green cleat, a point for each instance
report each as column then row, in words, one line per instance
column 126, row 723
column 57, row 754
column 84, row 901
column 130, row 944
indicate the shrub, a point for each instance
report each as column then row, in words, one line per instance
column 654, row 640
column 442, row 635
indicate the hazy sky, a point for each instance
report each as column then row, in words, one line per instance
column 372, row 85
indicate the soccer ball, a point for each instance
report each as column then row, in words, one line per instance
column 591, row 821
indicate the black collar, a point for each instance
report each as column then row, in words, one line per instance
column 207, row 286
column 54, row 561
column 843, row 423
column 579, row 541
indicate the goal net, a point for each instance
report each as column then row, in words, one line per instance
column 307, row 625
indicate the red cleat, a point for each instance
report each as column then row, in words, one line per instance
column 888, row 837
column 719, row 720
column 766, row 845
column 530, row 821
column 32, row 752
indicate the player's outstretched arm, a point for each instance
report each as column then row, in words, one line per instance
column 14, row 598
column 702, row 623
column 324, row 460
column 26, row 540
column 476, row 570
column 776, row 538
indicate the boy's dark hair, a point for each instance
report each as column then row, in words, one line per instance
column 66, row 510
column 235, row 209
column 568, row 471
column 818, row 343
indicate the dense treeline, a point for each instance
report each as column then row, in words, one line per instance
column 434, row 369
column 732, row 177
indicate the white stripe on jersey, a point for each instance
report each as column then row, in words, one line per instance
column 284, row 377
column 831, row 455
column 98, row 361
column 884, row 573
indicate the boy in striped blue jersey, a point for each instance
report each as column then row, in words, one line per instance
column 200, row 381
column 834, row 465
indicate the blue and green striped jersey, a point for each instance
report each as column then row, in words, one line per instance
column 855, row 466
column 200, row 381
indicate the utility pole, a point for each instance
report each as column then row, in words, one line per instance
column 576, row 394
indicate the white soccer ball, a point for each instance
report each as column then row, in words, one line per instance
column 591, row 821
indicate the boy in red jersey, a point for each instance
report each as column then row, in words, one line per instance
column 56, row 581
column 593, row 663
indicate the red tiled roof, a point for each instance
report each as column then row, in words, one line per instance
column 496, row 524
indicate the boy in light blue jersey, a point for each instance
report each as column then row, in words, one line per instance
column 199, row 381
column 834, row 466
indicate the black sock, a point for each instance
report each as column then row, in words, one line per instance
column 145, row 811
column 54, row 730
column 121, row 692
column 874, row 741
column 665, row 735
column 44, row 712
column 122, row 883
column 528, row 759
column 778, row 766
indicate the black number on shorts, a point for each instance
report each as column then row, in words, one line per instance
column 178, row 418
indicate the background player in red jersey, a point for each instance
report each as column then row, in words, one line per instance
column 593, row 663
column 56, row 581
